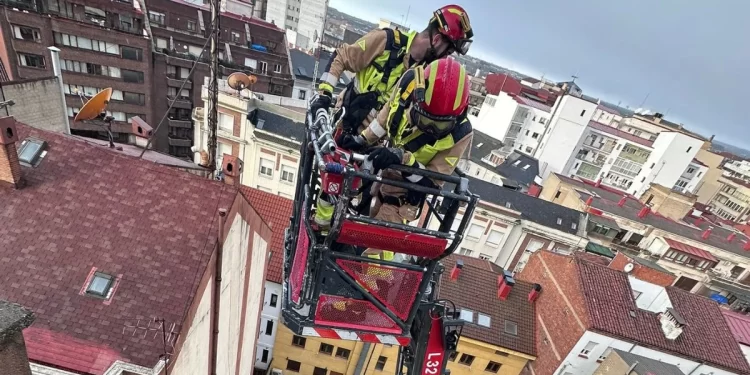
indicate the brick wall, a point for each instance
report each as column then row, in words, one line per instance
column 613, row 365
column 10, row 169
column 13, row 357
column 37, row 103
column 642, row 272
column 561, row 310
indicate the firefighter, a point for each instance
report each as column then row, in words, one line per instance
column 379, row 59
column 425, row 122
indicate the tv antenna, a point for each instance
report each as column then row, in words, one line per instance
column 94, row 111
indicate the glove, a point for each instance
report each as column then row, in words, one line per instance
column 322, row 101
column 416, row 198
column 351, row 142
column 384, row 157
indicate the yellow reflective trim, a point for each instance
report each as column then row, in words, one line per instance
column 433, row 74
column 452, row 160
column 412, row 159
column 460, row 90
column 409, row 89
column 455, row 11
column 362, row 44
column 397, row 37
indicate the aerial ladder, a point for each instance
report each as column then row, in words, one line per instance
column 331, row 291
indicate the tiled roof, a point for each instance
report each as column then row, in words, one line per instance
column 739, row 324
column 692, row 250
column 619, row 133
column 520, row 168
column 533, row 209
column 481, row 146
column 647, row 366
column 607, row 202
column 609, row 301
column 278, row 125
column 275, row 211
column 476, row 290
column 88, row 206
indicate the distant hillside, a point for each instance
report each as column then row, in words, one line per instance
column 725, row 147
column 471, row 63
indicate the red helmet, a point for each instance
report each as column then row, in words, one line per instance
column 453, row 22
column 446, row 97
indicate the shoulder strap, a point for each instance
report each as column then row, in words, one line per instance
column 394, row 48
column 412, row 82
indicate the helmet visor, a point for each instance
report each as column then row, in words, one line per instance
column 462, row 46
column 435, row 125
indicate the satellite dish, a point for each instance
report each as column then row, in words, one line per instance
column 628, row 268
column 238, row 81
column 95, row 106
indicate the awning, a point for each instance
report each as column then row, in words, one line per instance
column 600, row 250
column 604, row 221
column 692, row 250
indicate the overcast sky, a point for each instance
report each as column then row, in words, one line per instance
column 690, row 57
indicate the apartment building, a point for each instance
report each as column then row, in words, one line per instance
column 102, row 45
column 497, row 338
column 593, row 310
column 518, row 121
column 732, row 201
column 477, row 93
column 710, row 183
column 576, row 145
column 662, row 227
column 739, row 169
column 302, row 19
column 304, row 70
column 266, row 137
column 508, row 226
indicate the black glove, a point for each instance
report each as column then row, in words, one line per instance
column 322, row 101
column 351, row 142
column 416, row 198
column 384, row 157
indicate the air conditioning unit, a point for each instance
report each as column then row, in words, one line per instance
column 276, row 371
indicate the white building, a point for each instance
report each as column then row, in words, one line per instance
column 517, row 121
column 738, row 169
column 303, row 19
column 623, row 157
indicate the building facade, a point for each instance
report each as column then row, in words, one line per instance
column 732, row 200
column 517, row 121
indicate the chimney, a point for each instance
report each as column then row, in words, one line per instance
column 706, row 233
column 644, row 212
column 534, row 293
column 657, row 117
column 622, row 201
column 671, row 323
column 534, row 190
column 589, row 200
column 598, row 183
column 142, row 131
column 698, row 221
column 231, row 168
column 13, row 353
column 506, row 286
column 712, row 138
column 456, row 271
column 10, row 166
column 731, row 237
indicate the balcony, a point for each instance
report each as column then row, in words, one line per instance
column 618, row 183
column 28, row 5
column 183, row 124
column 180, row 102
column 173, row 81
column 179, row 142
column 198, row 114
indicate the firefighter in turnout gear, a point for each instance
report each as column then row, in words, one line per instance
column 426, row 124
column 378, row 60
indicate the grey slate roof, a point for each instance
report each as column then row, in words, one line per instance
column 13, row 319
column 303, row 67
column 516, row 172
column 278, row 125
column 648, row 366
column 533, row 209
column 481, row 146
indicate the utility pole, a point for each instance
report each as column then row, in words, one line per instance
column 319, row 44
column 213, row 84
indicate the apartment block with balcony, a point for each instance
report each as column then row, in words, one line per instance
column 247, row 45
column 518, row 121
column 739, row 169
column 102, row 45
column 732, row 201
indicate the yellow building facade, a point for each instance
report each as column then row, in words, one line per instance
column 314, row 356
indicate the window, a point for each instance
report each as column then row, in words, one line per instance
column 326, row 349
column 492, row 367
column 156, row 17
column 86, row 43
column 251, row 63
column 31, row 61
column 452, row 357
column 484, row 257
column 559, row 221
column 691, row 170
column 542, row 120
column 235, row 37
column 586, row 350
column 604, row 355
column 191, row 25
column 495, row 237
column 264, row 356
column 689, row 148
column 277, row 68
column 528, row 149
column 31, row 152
column 301, row 94
column 583, row 112
column 319, row 371
column 161, row 43
column 502, row 354
column 475, row 231
column 557, row 195
column 299, row 341
column 511, row 328
column 287, row 174
column 266, row 168
column 380, row 365
column 263, row 67
column 527, row 132
column 269, row 327
column 483, row 320
column 292, row 365
column 467, row 315
column 131, row 53
column 636, row 294
column 274, row 300
column 132, row 76
column 226, row 122
column 133, row 98
column 26, row 33
column 90, row 68
column 343, row 353
column 465, row 251
column 100, row 285
column 466, row 359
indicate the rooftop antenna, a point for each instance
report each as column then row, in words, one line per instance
column 318, row 44
column 213, row 85
column 94, row 111
column 644, row 99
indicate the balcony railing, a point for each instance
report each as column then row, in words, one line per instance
column 29, row 5
column 185, row 124
column 180, row 142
